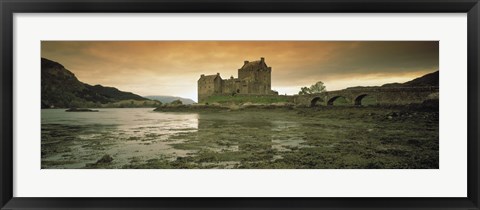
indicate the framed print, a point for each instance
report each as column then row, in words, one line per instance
column 239, row 105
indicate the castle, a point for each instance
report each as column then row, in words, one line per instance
column 254, row 78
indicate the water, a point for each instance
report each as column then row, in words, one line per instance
column 343, row 137
column 133, row 136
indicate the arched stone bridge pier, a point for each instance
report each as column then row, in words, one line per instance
column 382, row 95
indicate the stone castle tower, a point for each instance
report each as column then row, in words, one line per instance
column 254, row 78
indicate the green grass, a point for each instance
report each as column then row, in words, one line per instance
column 132, row 103
column 341, row 101
column 369, row 100
column 366, row 101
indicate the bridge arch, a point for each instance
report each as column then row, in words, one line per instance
column 366, row 99
column 314, row 101
column 358, row 99
column 333, row 99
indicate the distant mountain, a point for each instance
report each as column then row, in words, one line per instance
column 114, row 93
column 61, row 89
column 168, row 99
column 431, row 79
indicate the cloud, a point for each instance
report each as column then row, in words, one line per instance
column 172, row 67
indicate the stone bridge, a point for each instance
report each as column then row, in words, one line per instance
column 382, row 95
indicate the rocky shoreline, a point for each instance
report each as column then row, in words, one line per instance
column 220, row 107
column 428, row 105
column 80, row 110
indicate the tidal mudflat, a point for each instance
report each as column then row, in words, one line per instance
column 300, row 138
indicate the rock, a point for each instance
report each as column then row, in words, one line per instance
column 80, row 110
column 105, row 159
column 247, row 105
column 431, row 104
column 433, row 96
column 279, row 104
column 234, row 107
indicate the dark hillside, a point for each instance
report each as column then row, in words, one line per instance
column 431, row 79
column 61, row 89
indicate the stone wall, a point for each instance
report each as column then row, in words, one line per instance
column 383, row 96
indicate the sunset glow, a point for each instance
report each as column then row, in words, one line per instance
column 173, row 67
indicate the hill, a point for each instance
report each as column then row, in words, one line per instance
column 431, row 79
column 168, row 99
column 60, row 88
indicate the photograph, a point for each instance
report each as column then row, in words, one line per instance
column 246, row 104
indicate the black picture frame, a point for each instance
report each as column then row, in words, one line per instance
column 10, row 7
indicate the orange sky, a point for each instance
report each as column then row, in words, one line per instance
column 173, row 67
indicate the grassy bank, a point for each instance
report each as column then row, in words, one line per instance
column 241, row 99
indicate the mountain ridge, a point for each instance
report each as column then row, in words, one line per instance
column 168, row 99
column 430, row 79
column 60, row 88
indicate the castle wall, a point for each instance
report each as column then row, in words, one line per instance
column 231, row 86
column 257, row 81
column 254, row 78
column 208, row 86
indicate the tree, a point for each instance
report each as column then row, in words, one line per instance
column 176, row 102
column 304, row 91
column 318, row 87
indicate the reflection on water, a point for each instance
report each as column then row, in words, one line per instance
column 286, row 140
column 327, row 138
column 131, row 136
